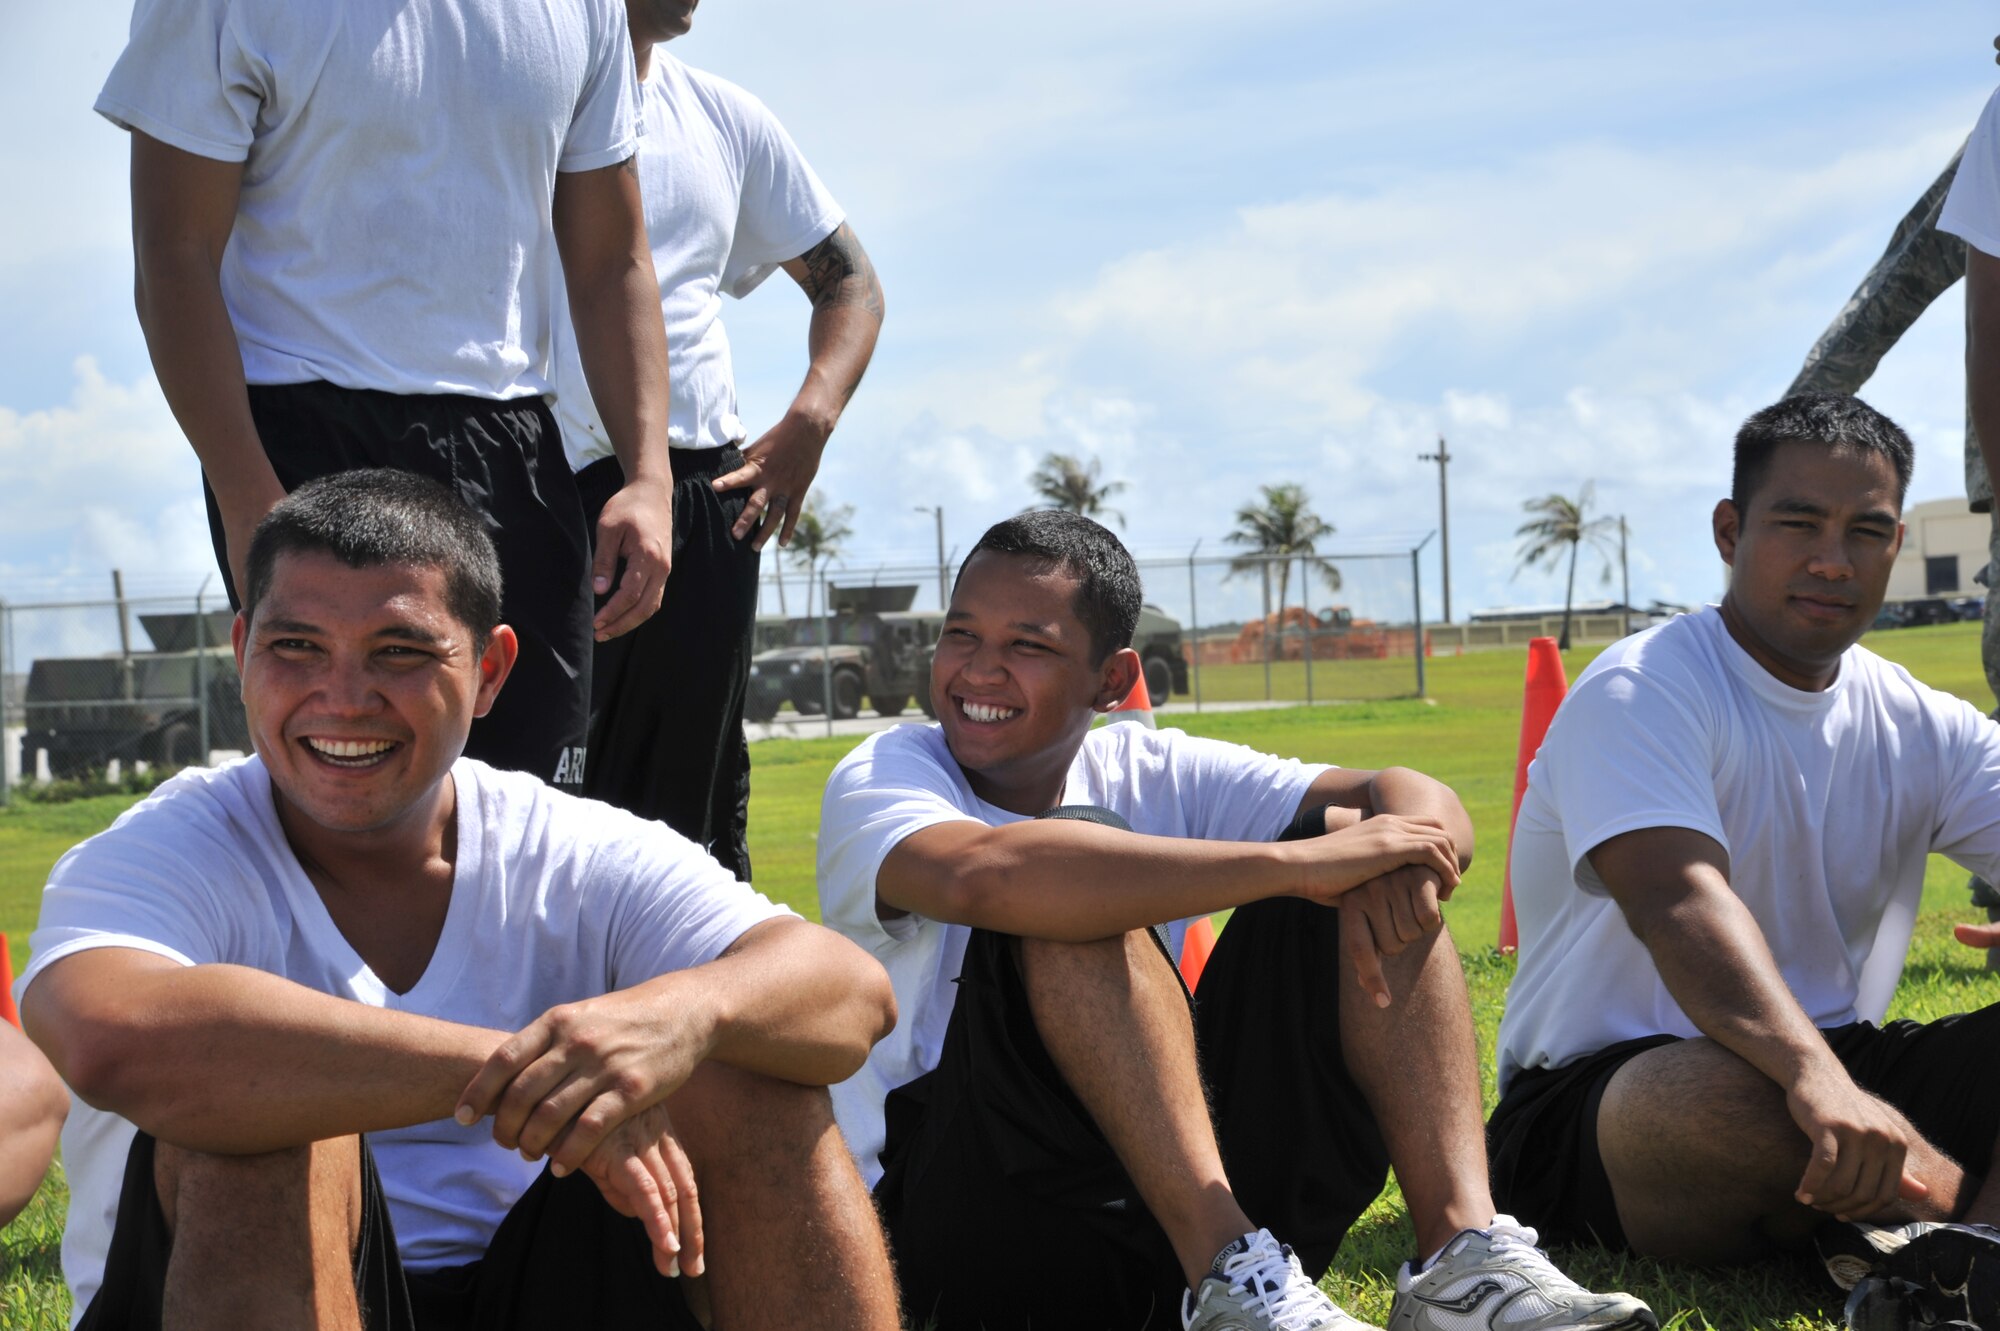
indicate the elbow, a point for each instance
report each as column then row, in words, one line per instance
column 871, row 1015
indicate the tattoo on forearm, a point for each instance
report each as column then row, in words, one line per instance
column 838, row 273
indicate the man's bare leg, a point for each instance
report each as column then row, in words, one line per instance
column 261, row 1240
column 1704, row 1158
column 1116, row 1023
column 790, row 1233
column 1417, row 1064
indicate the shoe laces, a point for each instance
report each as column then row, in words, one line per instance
column 1516, row 1242
column 1269, row 1271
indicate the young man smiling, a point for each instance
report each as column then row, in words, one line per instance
column 1042, row 1093
column 1717, row 870
column 358, row 931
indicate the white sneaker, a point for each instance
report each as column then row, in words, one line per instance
column 1257, row 1285
column 1496, row 1279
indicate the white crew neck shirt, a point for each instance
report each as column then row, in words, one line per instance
column 902, row 780
column 1827, row 802
column 394, row 229
column 1972, row 207
column 729, row 198
column 554, row 899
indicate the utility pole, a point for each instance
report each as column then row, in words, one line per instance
column 1443, row 458
column 937, row 511
column 1625, row 572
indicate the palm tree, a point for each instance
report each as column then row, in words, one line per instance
column 1283, row 526
column 1561, row 521
column 817, row 539
column 1067, row 483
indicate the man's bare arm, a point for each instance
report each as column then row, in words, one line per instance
column 236, row 1061
column 779, row 467
column 1982, row 352
column 614, row 304
column 33, row 1104
column 183, row 209
column 1673, row 886
column 1076, row 881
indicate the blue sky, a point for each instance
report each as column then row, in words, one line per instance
column 1217, row 246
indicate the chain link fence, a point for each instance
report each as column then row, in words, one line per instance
column 97, row 688
column 847, row 636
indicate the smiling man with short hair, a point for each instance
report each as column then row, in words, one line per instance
column 1036, row 1126
column 1717, row 869
column 287, row 991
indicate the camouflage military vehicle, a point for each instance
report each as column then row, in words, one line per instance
column 1157, row 639
column 85, row 711
column 880, row 651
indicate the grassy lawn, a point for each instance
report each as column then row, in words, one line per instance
column 1465, row 734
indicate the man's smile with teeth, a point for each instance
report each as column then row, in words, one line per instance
column 979, row 711
column 353, row 752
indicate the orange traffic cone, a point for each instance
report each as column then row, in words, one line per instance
column 7, row 1009
column 1546, row 687
column 1138, row 706
column 1199, row 943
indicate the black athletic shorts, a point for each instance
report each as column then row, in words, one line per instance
column 1942, row 1075
column 1007, row 1209
column 504, row 459
column 666, row 704
column 561, row 1257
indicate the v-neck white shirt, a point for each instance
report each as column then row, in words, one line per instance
column 554, row 899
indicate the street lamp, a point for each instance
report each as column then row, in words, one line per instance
column 937, row 511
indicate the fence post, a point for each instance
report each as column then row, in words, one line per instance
column 1194, row 629
column 826, row 651
column 6, row 632
column 1306, row 629
column 1265, row 567
column 201, row 672
column 1417, row 607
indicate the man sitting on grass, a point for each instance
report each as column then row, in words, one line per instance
column 1716, row 872
column 289, row 989
column 1035, row 1126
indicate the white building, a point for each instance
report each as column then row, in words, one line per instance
column 1944, row 546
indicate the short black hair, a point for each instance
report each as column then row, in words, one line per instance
column 1834, row 420
column 1108, row 594
column 378, row 516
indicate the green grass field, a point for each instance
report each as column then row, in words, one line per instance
column 1466, row 735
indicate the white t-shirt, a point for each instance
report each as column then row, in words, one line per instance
column 399, row 168
column 554, row 899
column 899, row 781
column 1972, row 209
column 728, row 199
column 1827, row 804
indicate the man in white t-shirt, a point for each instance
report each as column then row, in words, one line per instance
column 345, row 223
column 1716, row 871
column 1035, row 1127
column 287, row 991
column 729, row 200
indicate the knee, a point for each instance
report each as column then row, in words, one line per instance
column 728, row 1119
column 1692, row 1102
column 248, row 1190
column 34, row 1099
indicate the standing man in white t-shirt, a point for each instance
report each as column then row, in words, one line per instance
column 1716, row 871
column 729, row 200
column 345, row 221
column 1035, row 1127
column 286, row 993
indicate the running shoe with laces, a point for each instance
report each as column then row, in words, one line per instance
column 1958, row 1267
column 1853, row 1250
column 1256, row 1284
column 1496, row 1279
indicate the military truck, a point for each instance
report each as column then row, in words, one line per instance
column 880, row 650
column 1157, row 639
column 137, row 706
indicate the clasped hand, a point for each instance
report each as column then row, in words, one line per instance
column 1859, row 1145
column 585, row 1084
column 1386, row 875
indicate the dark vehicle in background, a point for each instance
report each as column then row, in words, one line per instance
column 1928, row 610
column 137, row 705
column 1157, row 639
column 876, row 649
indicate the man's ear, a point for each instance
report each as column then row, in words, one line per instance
column 1116, row 678
column 495, row 663
column 1728, row 524
column 239, row 639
